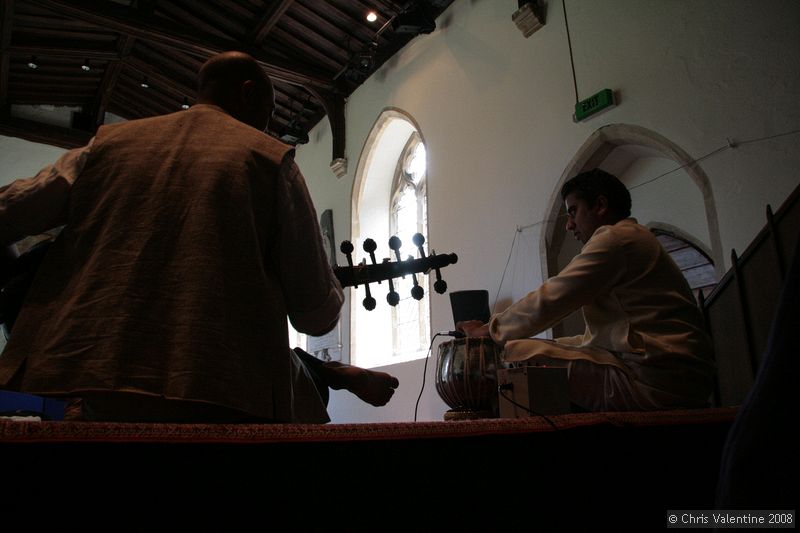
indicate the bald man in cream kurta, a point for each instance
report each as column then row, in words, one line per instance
column 644, row 347
column 179, row 263
column 187, row 241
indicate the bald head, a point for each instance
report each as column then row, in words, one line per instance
column 235, row 82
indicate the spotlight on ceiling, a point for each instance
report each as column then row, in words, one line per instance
column 144, row 84
column 415, row 20
column 85, row 67
column 33, row 63
column 185, row 104
column 372, row 16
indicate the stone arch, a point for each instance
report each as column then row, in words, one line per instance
column 596, row 149
column 374, row 144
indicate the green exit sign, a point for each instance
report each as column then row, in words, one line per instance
column 602, row 101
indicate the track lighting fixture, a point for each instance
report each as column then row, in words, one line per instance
column 365, row 60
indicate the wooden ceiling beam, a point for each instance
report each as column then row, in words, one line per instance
column 66, row 83
column 110, row 78
column 268, row 21
column 334, row 104
column 144, row 98
column 188, row 16
column 72, row 53
column 179, row 65
column 43, row 133
column 129, row 21
column 28, row 20
column 156, row 78
column 7, row 12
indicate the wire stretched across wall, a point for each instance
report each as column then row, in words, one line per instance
column 730, row 144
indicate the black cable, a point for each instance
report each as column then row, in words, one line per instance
column 424, row 373
column 508, row 260
column 651, row 180
column 504, row 395
column 571, row 60
column 499, row 389
column 768, row 137
column 730, row 144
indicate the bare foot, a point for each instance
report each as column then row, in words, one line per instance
column 375, row 388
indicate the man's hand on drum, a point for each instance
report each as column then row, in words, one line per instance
column 473, row 328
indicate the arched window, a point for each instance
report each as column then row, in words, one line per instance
column 409, row 215
column 696, row 266
column 389, row 199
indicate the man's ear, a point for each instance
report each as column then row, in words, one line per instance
column 248, row 88
column 601, row 205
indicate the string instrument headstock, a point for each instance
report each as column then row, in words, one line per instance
column 364, row 273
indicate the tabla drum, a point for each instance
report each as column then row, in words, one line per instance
column 466, row 377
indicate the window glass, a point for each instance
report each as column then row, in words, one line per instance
column 391, row 200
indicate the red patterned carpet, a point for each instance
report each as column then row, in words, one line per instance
column 265, row 433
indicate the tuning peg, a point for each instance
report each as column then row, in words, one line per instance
column 392, row 298
column 370, row 247
column 440, row 285
column 347, row 249
column 395, row 243
column 369, row 301
column 417, row 292
column 418, row 239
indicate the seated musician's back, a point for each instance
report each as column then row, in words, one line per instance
column 188, row 239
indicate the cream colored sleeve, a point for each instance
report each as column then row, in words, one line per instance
column 31, row 206
column 596, row 269
column 312, row 292
column 575, row 340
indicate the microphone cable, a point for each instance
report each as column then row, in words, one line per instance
column 501, row 390
column 456, row 334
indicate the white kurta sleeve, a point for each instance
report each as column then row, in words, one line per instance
column 312, row 292
column 30, row 206
column 595, row 270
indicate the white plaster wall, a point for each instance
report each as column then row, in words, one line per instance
column 674, row 199
column 23, row 159
column 495, row 110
